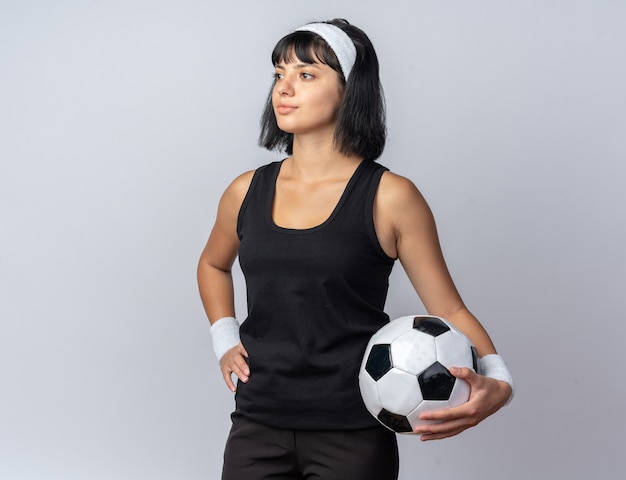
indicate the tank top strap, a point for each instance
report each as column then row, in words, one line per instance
column 261, row 189
column 357, row 210
column 364, row 184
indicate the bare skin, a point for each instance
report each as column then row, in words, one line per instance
column 308, row 187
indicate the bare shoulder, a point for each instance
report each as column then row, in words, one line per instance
column 240, row 185
column 400, row 212
column 399, row 195
column 235, row 192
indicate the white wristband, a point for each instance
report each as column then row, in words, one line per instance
column 225, row 333
column 493, row 366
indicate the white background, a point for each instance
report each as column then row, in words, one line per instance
column 121, row 122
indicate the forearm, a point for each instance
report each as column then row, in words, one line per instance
column 216, row 291
column 473, row 329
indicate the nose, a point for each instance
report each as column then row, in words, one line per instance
column 284, row 87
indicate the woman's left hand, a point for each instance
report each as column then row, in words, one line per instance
column 487, row 396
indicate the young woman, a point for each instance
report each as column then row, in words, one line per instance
column 317, row 235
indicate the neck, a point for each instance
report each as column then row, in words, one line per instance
column 319, row 157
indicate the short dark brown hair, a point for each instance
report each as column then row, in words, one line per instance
column 360, row 129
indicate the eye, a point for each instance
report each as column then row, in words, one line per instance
column 278, row 76
column 307, row 76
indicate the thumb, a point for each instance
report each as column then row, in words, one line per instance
column 464, row 373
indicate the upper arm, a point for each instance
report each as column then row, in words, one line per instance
column 406, row 229
column 223, row 243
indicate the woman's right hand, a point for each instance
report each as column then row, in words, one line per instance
column 235, row 361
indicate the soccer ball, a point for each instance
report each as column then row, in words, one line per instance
column 404, row 371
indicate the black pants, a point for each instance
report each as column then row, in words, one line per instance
column 258, row 452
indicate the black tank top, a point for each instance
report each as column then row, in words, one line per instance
column 315, row 297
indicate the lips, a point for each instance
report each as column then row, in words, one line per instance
column 284, row 108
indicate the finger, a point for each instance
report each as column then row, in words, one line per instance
column 441, row 435
column 464, row 373
column 243, row 350
column 230, row 365
column 447, row 414
column 442, row 430
column 228, row 380
column 242, row 365
column 240, row 368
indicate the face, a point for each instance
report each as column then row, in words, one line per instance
column 306, row 97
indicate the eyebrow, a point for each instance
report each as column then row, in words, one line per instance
column 298, row 65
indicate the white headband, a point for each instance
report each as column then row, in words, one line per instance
column 338, row 41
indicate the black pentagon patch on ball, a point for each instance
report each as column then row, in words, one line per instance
column 379, row 361
column 397, row 423
column 431, row 325
column 475, row 360
column 436, row 382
